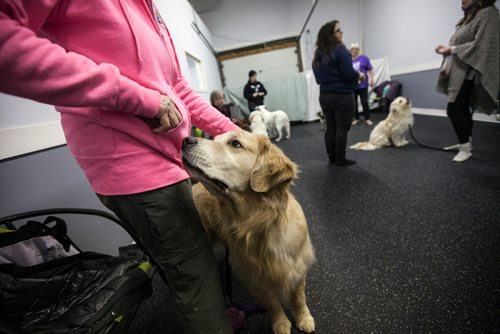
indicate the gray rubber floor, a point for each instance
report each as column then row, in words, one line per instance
column 407, row 241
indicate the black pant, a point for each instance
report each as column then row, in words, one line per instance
column 460, row 113
column 338, row 110
column 363, row 96
column 166, row 223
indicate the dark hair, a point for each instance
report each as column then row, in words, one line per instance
column 473, row 9
column 251, row 73
column 326, row 42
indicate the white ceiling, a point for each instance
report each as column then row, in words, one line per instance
column 204, row 6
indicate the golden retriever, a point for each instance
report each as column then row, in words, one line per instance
column 244, row 201
column 393, row 129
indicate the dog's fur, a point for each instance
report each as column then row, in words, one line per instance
column 244, row 201
column 322, row 120
column 257, row 125
column 277, row 123
column 393, row 129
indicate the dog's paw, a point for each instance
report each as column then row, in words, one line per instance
column 306, row 324
column 401, row 143
column 282, row 327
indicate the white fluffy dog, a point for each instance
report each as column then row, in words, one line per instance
column 393, row 129
column 257, row 125
column 277, row 123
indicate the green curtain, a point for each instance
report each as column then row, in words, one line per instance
column 287, row 93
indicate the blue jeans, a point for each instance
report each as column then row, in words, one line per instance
column 338, row 110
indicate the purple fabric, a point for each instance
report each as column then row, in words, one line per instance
column 362, row 64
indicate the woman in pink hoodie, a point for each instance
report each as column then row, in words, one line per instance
column 111, row 70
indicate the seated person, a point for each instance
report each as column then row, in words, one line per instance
column 228, row 109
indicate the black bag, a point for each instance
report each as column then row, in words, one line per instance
column 86, row 292
column 83, row 293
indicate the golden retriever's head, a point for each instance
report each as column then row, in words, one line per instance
column 401, row 105
column 237, row 161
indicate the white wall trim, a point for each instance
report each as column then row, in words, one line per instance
column 417, row 68
column 27, row 139
column 442, row 113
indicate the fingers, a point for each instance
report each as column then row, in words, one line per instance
column 168, row 120
column 168, row 115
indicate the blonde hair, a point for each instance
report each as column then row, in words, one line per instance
column 216, row 94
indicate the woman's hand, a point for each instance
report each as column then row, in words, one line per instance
column 168, row 115
column 443, row 50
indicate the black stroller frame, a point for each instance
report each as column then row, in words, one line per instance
column 9, row 222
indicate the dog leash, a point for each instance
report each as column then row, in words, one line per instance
column 423, row 145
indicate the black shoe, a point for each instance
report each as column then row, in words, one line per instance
column 345, row 162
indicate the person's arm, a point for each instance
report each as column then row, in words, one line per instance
column 488, row 18
column 371, row 77
column 37, row 69
column 247, row 92
column 346, row 71
column 263, row 89
column 203, row 115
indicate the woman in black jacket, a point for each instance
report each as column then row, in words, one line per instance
column 332, row 67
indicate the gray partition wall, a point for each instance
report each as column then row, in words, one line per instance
column 52, row 179
column 420, row 87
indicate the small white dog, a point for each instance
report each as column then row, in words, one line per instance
column 277, row 123
column 257, row 125
column 393, row 129
column 322, row 119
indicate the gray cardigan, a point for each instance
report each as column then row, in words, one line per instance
column 475, row 55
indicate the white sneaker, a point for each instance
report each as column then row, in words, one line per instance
column 464, row 152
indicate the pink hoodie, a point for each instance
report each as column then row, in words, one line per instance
column 104, row 65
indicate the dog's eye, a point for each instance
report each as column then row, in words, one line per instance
column 235, row 143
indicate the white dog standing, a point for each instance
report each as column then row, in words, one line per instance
column 257, row 125
column 277, row 123
column 393, row 129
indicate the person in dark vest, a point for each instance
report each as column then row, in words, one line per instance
column 254, row 91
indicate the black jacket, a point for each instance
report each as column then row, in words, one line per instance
column 254, row 87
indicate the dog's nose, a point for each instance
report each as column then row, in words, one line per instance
column 189, row 141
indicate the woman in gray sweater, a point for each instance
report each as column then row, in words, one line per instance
column 470, row 71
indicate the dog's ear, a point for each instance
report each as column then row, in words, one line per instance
column 272, row 168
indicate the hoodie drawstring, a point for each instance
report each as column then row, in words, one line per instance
column 136, row 39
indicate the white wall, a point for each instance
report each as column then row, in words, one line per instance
column 407, row 31
column 347, row 12
column 178, row 16
column 27, row 126
column 238, row 23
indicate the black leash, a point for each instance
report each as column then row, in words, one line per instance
column 423, row 145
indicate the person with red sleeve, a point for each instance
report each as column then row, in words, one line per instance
column 125, row 109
